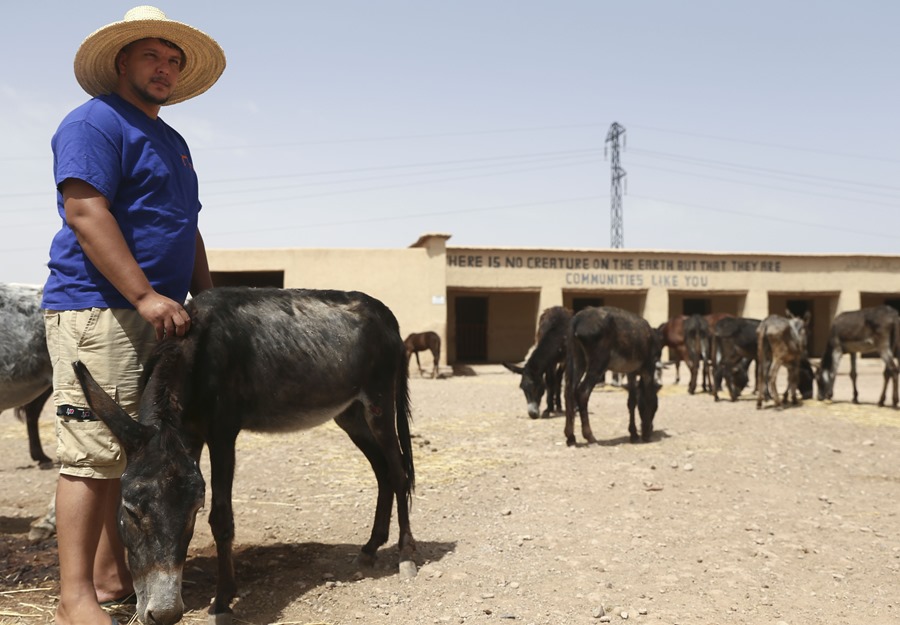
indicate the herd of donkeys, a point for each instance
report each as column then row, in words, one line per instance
column 573, row 353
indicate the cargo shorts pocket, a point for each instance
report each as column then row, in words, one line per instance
column 86, row 443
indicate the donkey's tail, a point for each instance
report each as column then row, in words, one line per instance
column 404, row 417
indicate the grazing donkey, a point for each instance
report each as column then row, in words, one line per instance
column 420, row 342
column 543, row 370
column 604, row 338
column 26, row 376
column 780, row 341
column 258, row 359
column 873, row 330
column 671, row 333
column 734, row 347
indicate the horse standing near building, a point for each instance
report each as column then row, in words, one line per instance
column 424, row 341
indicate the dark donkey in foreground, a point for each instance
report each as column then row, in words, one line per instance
column 266, row 360
column 544, row 366
column 611, row 338
column 424, row 341
column 873, row 330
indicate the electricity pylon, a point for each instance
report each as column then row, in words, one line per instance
column 616, row 227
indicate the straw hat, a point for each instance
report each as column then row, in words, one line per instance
column 95, row 66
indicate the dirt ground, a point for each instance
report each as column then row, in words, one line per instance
column 730, row 515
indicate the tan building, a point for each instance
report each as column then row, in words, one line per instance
column 484, row 302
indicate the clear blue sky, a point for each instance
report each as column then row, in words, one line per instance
column 764, row 126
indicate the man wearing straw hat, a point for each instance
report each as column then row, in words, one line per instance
column 121, row 266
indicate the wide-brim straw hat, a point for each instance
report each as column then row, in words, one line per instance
column 95, row 61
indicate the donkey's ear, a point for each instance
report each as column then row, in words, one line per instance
column 131, row 434
column 514, row 368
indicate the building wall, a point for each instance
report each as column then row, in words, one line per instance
column 421, row 283
column 409, row 281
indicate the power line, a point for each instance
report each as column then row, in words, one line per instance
column 483, row 159
column 293, row 198
column 783, row 174
column 349, row 222
column 752, row 215
column 776, row 188
column 436, row 135
column 488, row 161
column 547, row 163
column 771, row 218
column 290, row 144
column 768, row 145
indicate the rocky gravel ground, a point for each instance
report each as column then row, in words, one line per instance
column 730, row 515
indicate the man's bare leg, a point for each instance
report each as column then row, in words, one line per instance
column 112, row 579
column 81, row 506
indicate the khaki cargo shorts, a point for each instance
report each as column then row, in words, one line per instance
column 114, row 344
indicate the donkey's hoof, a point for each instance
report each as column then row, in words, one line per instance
column 222, row 618
column 40, row 531
column 364, row 559
column 408, row 570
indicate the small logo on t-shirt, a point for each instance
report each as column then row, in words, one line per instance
column 186, row 161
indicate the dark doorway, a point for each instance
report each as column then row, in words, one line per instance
column 893, row 303
column 695, row 307
column 471, row 329
column 800, row 307
column 579, row 303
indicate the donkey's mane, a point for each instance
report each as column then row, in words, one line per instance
column 552, row 327
column 166, row 378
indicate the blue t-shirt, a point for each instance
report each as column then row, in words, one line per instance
column 143, row 168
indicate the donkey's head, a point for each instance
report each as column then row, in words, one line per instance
column 533, row 387
column 740, row 377
column 162, row 490
column 824, row 376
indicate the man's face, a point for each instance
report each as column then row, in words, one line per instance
column 150, row 70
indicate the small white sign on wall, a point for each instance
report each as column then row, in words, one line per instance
column 438, row 300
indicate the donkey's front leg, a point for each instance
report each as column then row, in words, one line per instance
column 221, row 522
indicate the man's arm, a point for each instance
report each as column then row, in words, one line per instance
column 98, row 233
column 200, row 279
